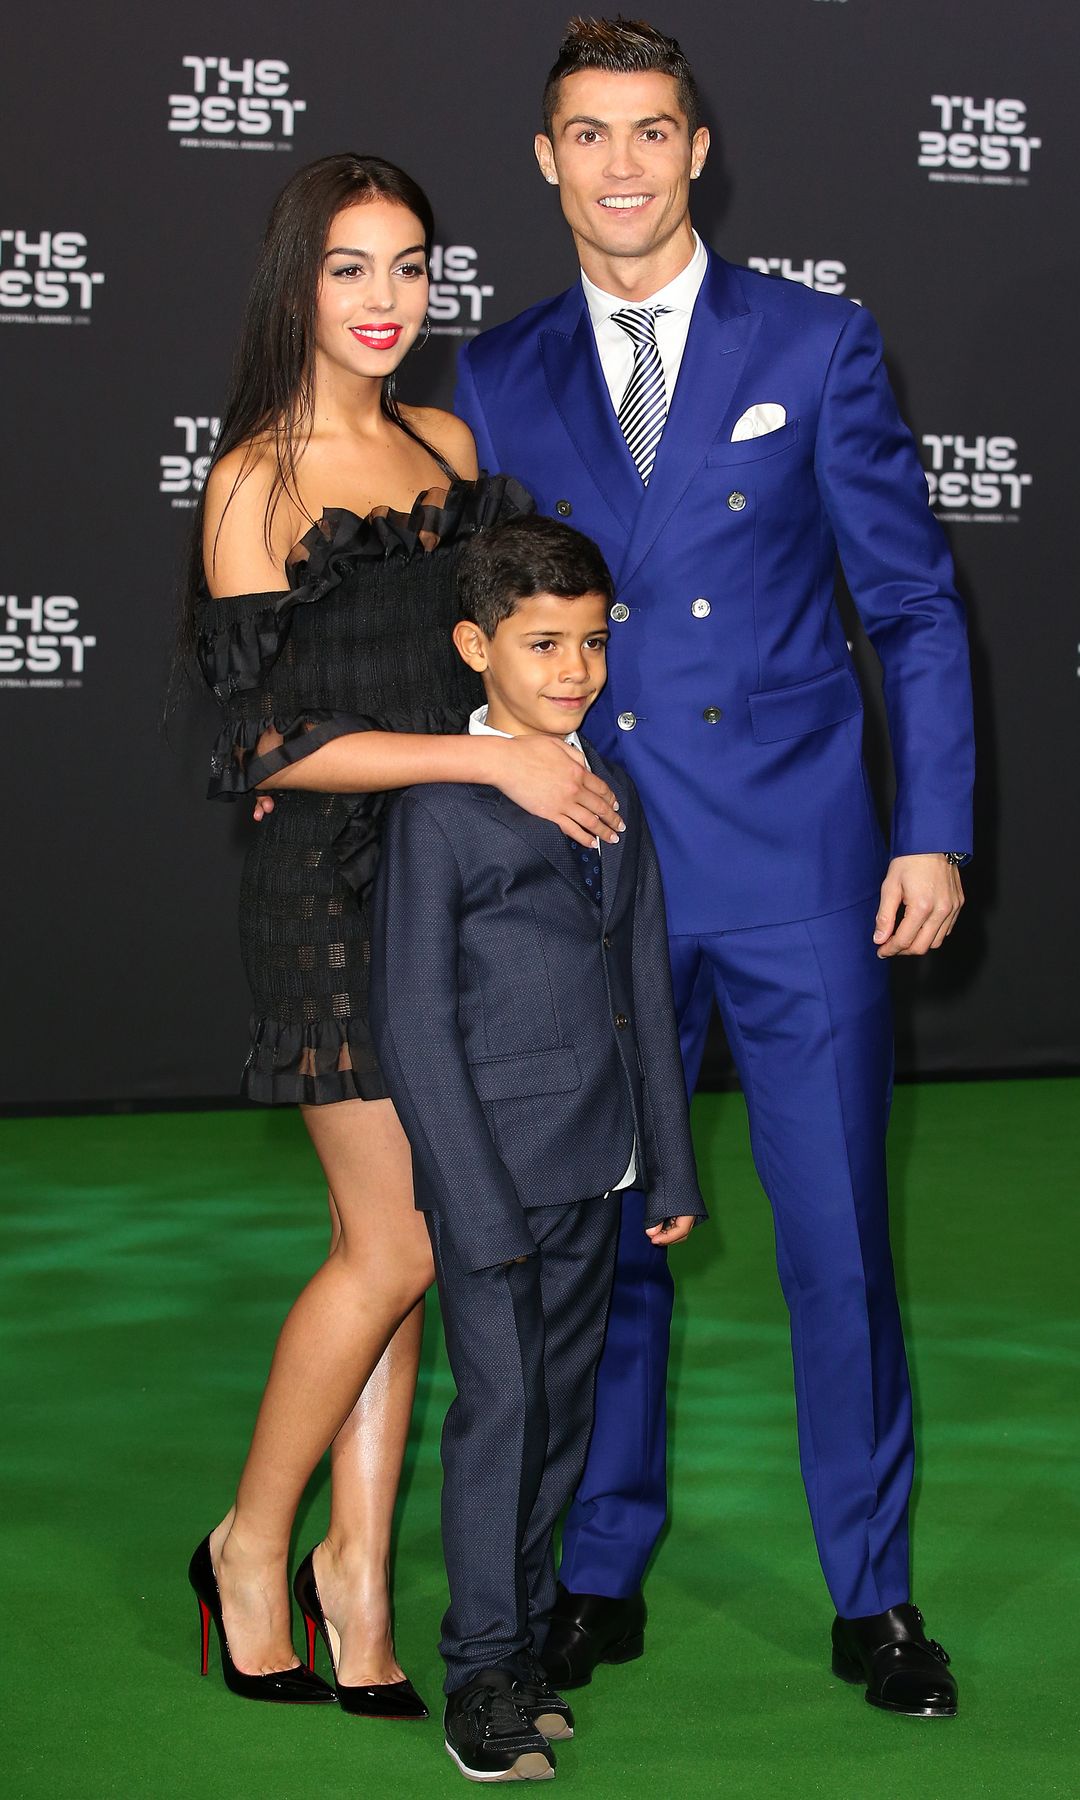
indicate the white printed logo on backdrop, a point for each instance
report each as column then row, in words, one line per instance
column 184, row 468
column 824, row 275
column 974, row 480
column 41, row 643
column 45, row 278
column 458, row 296
column 241, row 105
column 983, row 143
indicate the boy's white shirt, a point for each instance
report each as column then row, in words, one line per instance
column 479, row 727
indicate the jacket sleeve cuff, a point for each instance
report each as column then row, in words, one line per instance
column 485, row 1249
column 931, row 832
column 693, row 1208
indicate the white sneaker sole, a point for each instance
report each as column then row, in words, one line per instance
column 531, row 1766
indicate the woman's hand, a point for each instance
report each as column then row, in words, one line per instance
column 551, row 780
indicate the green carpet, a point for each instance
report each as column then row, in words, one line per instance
column 148, row 1262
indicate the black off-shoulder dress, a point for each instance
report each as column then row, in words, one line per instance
column 359, row 642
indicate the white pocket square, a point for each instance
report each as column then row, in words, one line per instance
column 758, row 421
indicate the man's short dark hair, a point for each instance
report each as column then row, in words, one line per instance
column 508, row 563
column 621, row 47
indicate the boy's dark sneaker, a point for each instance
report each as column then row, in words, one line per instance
column 489, row 1734
column 549, row 1712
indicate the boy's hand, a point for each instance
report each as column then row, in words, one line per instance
column 671, row 1231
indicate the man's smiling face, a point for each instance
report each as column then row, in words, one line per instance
column 621, row 152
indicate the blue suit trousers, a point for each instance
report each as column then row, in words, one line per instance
column 807, row 1012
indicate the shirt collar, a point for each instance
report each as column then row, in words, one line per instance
column 678, row 296
column 479, row 727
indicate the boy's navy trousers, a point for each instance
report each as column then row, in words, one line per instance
column 523, row 1341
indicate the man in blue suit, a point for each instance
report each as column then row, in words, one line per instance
column 723, row 436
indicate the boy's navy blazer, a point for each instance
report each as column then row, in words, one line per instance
column 526, row 1034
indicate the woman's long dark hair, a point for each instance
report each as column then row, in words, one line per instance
column 273, row 380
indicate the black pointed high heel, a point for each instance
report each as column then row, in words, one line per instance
column 386, row 1700
column 290, row 1687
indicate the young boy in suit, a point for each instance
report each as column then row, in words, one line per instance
column 522, row 1011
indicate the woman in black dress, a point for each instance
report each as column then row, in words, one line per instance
column 322, row 606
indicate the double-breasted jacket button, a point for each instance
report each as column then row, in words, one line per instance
column 736, row 500
column 700, row 609
column 620, row 611
column 712, row 715
column 626, row 721
column 563, row 508
column 607, row 943
column 621, row 1021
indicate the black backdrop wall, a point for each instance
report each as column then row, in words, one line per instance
column 918, row 157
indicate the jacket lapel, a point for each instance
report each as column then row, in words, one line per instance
column 580, row 396
column 613, row 857
column 722, row 331
column 542, row 836
column 545, row 839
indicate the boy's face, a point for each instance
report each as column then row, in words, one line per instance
column 544, row 666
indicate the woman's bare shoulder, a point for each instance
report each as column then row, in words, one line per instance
column 244, row 473
column 240, row 516
column 449, row 435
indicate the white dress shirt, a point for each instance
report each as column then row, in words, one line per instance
column 479, row 727
column 615, row 348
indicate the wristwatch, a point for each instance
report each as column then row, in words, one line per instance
column 955, row 857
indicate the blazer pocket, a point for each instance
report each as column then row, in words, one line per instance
column 789, row 712
column 753, row 449
column 534, row 1072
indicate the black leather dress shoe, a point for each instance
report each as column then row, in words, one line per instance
column 587, row 1629
column 904, row 1670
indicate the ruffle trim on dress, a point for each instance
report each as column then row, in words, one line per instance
column 438, row 516
column 356, row 845
column 239, row 638
column 311, row 1065
column 235, row 767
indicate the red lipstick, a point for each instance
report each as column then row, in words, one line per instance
column 377, row 337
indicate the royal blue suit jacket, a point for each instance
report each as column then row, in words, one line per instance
column 742, row 723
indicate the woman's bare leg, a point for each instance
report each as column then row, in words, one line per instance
column 378, row 1268
column 352, row 1564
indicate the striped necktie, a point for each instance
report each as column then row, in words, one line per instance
column 643, row 408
